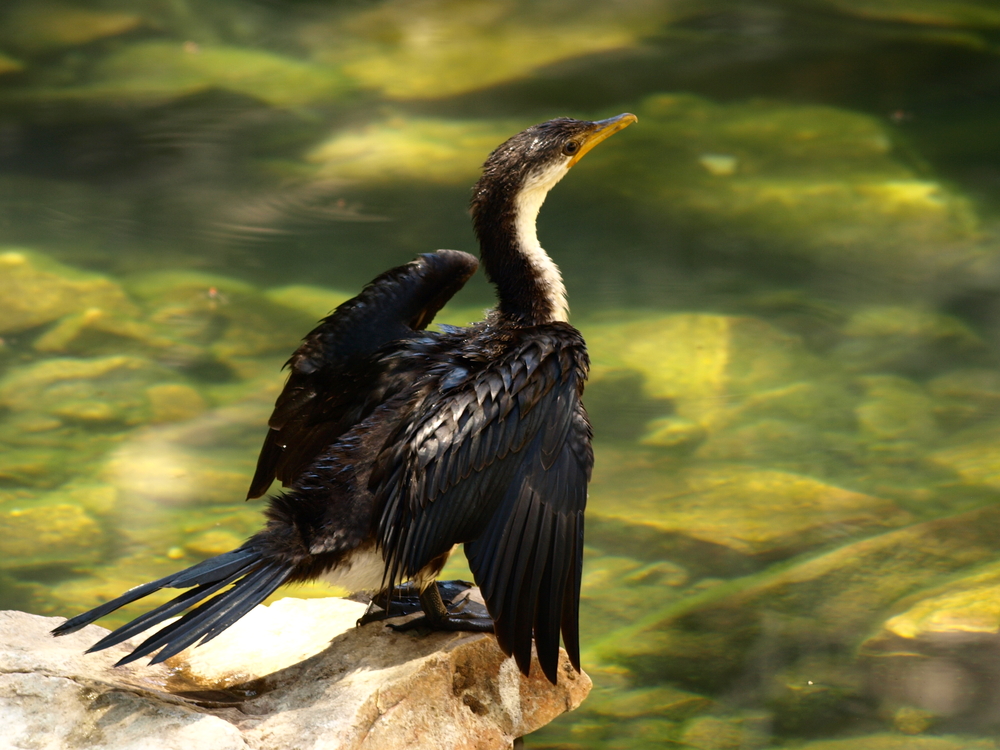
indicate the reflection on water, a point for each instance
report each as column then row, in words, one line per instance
column 787, row 274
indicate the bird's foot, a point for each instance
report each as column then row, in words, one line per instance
column 405, row 600
column 446, row 606
column 466, row 616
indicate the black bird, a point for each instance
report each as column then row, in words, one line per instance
column 394, row 444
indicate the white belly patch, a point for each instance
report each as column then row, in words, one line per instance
column 361, row 570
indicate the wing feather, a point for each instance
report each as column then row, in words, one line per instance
column 320, row 400
column 500, row 462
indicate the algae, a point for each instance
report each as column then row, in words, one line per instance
column 457, row 47
column 33, row 26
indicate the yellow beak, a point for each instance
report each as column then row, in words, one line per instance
column 602, row 129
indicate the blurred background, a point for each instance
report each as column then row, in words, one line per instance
column 788, row 273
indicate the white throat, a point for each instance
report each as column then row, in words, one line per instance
column 528, row 202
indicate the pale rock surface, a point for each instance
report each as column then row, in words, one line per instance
column 295, row 674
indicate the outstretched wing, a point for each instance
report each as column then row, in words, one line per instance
column 501, row 462
column 320, row 400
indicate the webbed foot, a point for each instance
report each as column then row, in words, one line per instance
column 405, row 600
column 446, row 606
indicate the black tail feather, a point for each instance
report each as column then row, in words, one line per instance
column 212, row 617
column 207, row 571
column 174, row 607
column 252, row 579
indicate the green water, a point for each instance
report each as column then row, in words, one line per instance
column 788, row 273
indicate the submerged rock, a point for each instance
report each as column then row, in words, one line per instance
column 454, row 47
column 819, row 184
column 108, row 390
column 315, row 301
column 965, row 605
column 901, row 742
column 208, row 459
column 40, row 450
column 941, row 13
column 907, row 339
column 331, row 686
column 895, row 413
column 662, row 701
column 44, row 26
column 782, row 444
column 706, row 365
column 727, row 518
column 618, row 589
column 939, row 658
column 411, row 149
column 153, row 72
column 966, row 395
column 726, row 733
column 972, row 455
column 95, row 332
column 42, row 535
column 174, row 402
column 833, row 599
column 9, row 65
column 35, row 290
column 219, row 323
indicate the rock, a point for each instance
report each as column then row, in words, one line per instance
column 728, row 517
column 174, row 402
column 816, row 695
column 331, row 686
column 153, row 72
column 939, row 656
column 50, row 456
column 901, row 742
column 883, row 338
column 413, row 149
column 730, row 733
column 35, row 290
column 833, row 598
column 972, row 455
column 315, row 301
column 9, row 65
column 179, row 464
column 965, row 396
column 965, row 13
column 461, row 47
column 895, row 414
column 674, row 433
column 618, row 589
column 819, row 185
column 94, row 332
column 52, row 534
column 40, row 449
column 107, row 390
column 43, row 27
column 782, row 444
column 705, row 365
column 662, row 701
column 222, row 320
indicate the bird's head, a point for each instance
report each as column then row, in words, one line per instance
column 537, row 158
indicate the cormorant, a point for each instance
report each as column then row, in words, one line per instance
column 394, row 444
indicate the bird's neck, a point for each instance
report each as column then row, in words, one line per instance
column 529, row 285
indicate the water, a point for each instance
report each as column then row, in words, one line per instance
column 787, row 273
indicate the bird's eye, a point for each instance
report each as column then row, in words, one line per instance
column 571, row 148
